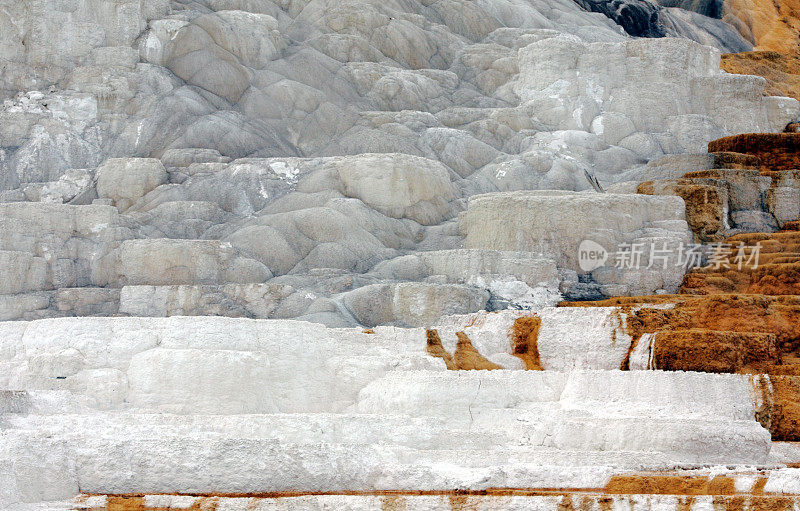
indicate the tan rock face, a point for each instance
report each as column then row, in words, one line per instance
column 777, row 273
column 706, row 205
column 712, row 351
column 785, row 416
column 123, row 180
column 777, row 151
column 524, row 341
column 782, row 71
column 753, row 187
column 771, row 25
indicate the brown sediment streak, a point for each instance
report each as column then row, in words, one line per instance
column 125, row 503
column 782, row 71
column 566, row 503
column 393, row 503
column 458, row 502
column 763, row 412
column 435, row 349
column 524, row 337
column 670, row 485
column 720, row 488
column 712, row 351
column 605, row 503
column 758, row 486
column 626, row 362
column 685, row 503
column 777, row 151
column 137, row 503
column 621, row 322
column 785, row 420
column 752, row 503
column 467, row 358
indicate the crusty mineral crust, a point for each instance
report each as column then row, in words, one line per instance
column 782, row 71
column 777, row 151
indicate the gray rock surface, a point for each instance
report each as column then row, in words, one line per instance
column 412, row 304
column 270, row 159
column 125, row 180
column 231, row 300
column 174, row 262
column 564, row 225
column 695, row 20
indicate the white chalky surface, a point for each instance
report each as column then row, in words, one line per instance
column 219, row 405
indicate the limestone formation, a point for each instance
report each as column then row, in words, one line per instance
column 769, row 25
column 310, row 141
column 564, row 225
column 344, row 254
column 125, row 180
column 782, row 71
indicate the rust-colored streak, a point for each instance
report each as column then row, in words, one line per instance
column 435, row 349
column 467, row 358
column 752, row 503
column 670, row 485
column 566, row 503
column 125, row 503
column 137, row 503
column 713, row 351
column 782, row 72
column 687, row 488
column 458, row 502
column 777, row 151
column 524, row 336
column 758, row 486
column 763, row 412
column 785, row 419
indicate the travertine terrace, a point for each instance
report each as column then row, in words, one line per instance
column 399, row 254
